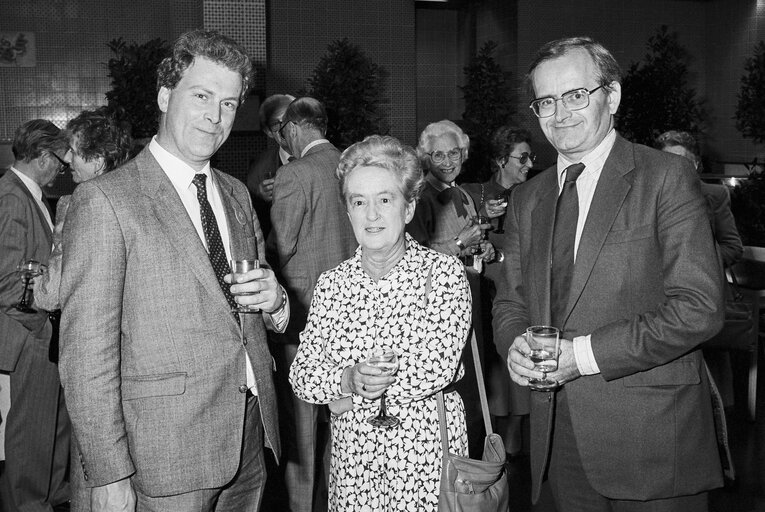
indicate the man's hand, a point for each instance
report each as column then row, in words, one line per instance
column 265, row 190
column 261, row 283
column 567, row 368
column 117, row 496
column 521, row 367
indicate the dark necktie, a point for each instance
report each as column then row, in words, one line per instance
column 215, row 249
column 454, row 195
column 564, row 235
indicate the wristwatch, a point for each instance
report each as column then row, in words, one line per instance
column 283, row 304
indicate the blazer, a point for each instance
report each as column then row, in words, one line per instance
column 267, row 161
column 647, row 287
column 24, row 234
column 311, row 229
column 723, row 222
column 152, row 362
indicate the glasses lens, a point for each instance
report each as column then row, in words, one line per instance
column 455, row 154
column 576, row 100
column 437, row 156
column 543, row 107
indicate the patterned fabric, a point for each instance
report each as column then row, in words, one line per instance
column 376, row 469
column 214, row 242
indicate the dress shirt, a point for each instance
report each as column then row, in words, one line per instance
column 181, row 175
column 312, row 144
column 36, row 192
column 284, row 156
column 585, row 189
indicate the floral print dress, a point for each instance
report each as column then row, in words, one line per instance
column 376, row 469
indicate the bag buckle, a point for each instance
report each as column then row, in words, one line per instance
column 466, row 486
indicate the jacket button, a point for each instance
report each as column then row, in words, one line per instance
column 243, row 388
column 85, row 476
column 244, row 341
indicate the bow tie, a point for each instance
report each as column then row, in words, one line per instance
column 454, row 195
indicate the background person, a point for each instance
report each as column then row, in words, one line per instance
column 170, row 394
column 37, row 426
column 376, row 300
column 613, row 247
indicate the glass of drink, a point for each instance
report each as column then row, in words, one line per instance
column 242, row 267
column 544, row 342
column 28, row 270
column 501, row 200
column 387, row 362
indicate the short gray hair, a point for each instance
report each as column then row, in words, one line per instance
column 437, row 129
column 385, row 152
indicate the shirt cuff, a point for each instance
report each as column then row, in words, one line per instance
column 585, row 359
column 280, row 318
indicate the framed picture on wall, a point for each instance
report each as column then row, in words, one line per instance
column 17, row 49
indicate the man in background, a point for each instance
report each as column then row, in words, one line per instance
column 37, row 427
column 260, row 177
column 311, row 233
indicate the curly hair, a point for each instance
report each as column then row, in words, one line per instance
column 505, row 138
column 97, row 133
column 437, row 129
column 212, row 46
column 608, row 69
column 385, row 152
column 34, row 137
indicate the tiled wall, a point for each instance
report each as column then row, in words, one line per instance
column 71, row 37
column 299, row 32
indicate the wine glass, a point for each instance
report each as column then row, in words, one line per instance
column 387, row 361
column 242, row 267
column 479, row 220
column 501, row 199
column 28, row 269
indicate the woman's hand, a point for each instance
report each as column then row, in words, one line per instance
column 472, row 234
column 366, row 381
column 495, row 208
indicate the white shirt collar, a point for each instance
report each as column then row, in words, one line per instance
column 284, row 156
column 179, row 172
column 594, row 160
column 438, row 184
column 31, row 184
column 312, row 144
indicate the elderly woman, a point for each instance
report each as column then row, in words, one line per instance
column 376, row 300
column 97, row 144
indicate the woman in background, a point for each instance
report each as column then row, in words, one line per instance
column 377, row 300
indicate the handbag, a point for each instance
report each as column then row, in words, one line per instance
column 467, row 484
column 739, row 320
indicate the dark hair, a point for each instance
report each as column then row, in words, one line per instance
column 34, row 137
column 608, row 69
column 307, row 111
column 505, row 138
column 99, row 134
column 272, row 105
column 210, row 45
column 678, row 138
column 385, row 152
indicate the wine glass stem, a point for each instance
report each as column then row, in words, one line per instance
column 23, row 300
column 383, row 412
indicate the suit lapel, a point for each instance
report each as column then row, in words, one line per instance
column 40, row 215
column 542, row 222
column 235, row 218
column 175, row 222
column 613, row 186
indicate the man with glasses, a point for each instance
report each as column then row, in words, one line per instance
column 311, row 233
column 613, row 247
column 37, row 427
column 260, row 177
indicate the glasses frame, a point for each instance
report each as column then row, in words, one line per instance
column 282, row 126
column 525, row 157
column 64, row 165
column 457, row 158
column 586, row 91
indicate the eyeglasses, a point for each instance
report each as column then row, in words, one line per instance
column 64, row 165
column 454, row 154
column 525, row 157
column 572, row 100
column 282, row 126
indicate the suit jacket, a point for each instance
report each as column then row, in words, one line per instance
column 151, row 357
column 647, row 287
column 723, row 222
column 24, row 234
column 266, row 162
column 311, row 230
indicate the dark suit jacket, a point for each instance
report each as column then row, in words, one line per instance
column 647, row 287
column 151, row 356
column 266, row 162
column 311, row 230
column 723, row 223
column 24, row 234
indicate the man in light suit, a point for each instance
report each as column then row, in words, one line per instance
column 311, row 233
column 629, row 274
column 171, row 403
column 37, row 426
column 262, row 172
